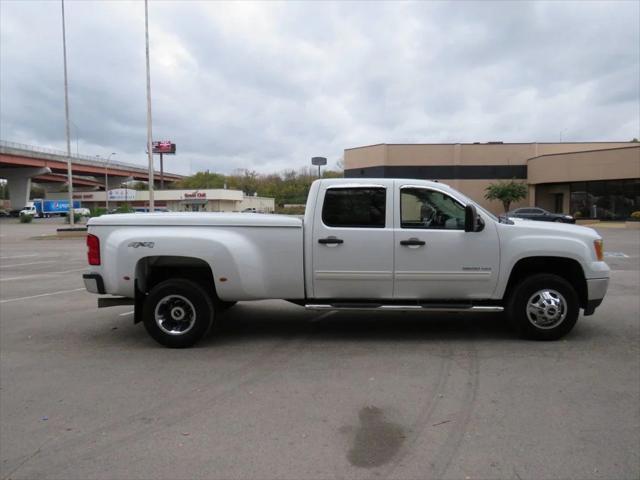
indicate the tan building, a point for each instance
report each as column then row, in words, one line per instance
column 590, row 179
column 206, row 200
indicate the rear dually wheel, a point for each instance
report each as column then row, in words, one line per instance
column 177, row 313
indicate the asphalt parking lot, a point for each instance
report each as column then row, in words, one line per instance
column 279, row 392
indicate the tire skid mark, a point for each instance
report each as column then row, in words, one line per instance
column 258, row 368
column 423, row 419
column 444, row 455
column 455, row 436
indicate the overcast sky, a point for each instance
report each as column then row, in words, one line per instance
column 268, row 85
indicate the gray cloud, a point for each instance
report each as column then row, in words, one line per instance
column 268, row 85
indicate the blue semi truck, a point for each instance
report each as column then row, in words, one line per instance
column 46, row 208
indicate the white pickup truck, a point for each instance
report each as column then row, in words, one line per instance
column 379, row 244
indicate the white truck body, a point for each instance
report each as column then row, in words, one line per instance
column 428, row 260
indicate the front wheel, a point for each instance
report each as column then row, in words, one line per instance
column 177, row 313
column 543, row 307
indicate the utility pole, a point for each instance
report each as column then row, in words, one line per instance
column 161, row 173
column 66, row 113
column 149, row 132
column 106, row 182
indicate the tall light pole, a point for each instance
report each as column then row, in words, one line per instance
column 77, row 135
column 149, row 133
column 66, row 114
column 106, row 181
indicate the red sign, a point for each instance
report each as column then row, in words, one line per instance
column 164, row 146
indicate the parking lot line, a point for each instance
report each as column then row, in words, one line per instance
column 19, row 256
column 30, row 263
column 39, row 275
column 41, row 295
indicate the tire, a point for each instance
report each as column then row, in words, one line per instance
column 559, row 220
column 549, row 316
column 178, row 313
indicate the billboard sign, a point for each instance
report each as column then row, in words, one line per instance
column 121, row 195
column 318, row 161
column 164, row 146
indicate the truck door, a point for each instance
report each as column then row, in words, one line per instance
column 434, row 257
column 353, row 242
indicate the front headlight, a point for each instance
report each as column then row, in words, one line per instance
column 598, row 245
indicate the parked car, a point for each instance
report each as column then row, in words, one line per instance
column 5, row 213
column 536, row 213
column 364, row 244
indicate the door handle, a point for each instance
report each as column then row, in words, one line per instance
column 330, row 241
column 412, row 242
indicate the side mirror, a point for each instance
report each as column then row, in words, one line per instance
column 470, row 219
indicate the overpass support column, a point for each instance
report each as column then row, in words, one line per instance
column 19, row 182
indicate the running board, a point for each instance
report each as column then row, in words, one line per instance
column 405, row 308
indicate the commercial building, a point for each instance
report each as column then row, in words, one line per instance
column 211, row 200
column 587, row 179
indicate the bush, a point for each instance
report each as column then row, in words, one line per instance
column 290, row 210
column 76, row 218
column 97, row 211
column 635, row 216
column 26, row 218
column 124, row 208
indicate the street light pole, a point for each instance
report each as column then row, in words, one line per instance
column 106, row 182
column 66, row 113
column 149, row 133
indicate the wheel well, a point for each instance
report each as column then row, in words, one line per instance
column 566, row 268
column 152, row 270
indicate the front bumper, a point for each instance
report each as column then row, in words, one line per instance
column 596, row 290
column 93, row 283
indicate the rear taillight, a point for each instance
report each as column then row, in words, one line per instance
column 599, row 248
column 93, row 252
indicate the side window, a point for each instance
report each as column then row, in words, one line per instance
column 423, row 208
column 354, row 207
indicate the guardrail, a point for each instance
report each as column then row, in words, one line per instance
column 80, row 159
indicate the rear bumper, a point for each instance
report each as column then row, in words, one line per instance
column 93, row 283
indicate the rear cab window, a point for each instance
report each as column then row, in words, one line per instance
column 355, row 207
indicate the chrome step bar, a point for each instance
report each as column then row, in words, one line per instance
column 406, row 308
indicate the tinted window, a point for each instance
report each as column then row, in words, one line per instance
column 525, row 211
column 354, row 207
column 422, row 208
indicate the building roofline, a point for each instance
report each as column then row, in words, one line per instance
column 585, row 151
column 492, row 144
column 367, row 146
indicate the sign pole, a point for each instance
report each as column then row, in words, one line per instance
column 149, row 133
column 161, row 173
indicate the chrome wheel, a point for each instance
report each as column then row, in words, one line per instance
column 175, row 315
column 546, row 309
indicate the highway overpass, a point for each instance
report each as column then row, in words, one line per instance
column 20, row 164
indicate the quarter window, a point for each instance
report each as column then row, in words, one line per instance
column 355, row 207
column 430, row 209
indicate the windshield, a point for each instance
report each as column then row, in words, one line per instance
column 484, row 210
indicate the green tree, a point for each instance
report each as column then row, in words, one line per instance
column 506, row 192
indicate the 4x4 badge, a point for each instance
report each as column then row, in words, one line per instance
column 141, row 244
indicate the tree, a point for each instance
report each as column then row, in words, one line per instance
column 506, row 192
